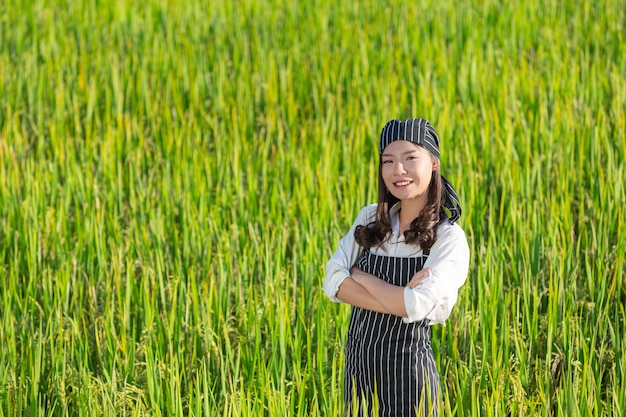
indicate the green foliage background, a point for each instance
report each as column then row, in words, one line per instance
column 174, row 176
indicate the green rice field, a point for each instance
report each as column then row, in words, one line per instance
column 174, row 176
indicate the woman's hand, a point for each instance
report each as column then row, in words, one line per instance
column 356, row 273
column 363, row 278
column 419, row 276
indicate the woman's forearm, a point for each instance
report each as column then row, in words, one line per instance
column 354, row 294
column 390, row 296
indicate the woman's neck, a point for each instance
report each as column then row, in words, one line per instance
column 409, row 210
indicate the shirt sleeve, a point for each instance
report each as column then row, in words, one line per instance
column 339, row 265
column 448, row 261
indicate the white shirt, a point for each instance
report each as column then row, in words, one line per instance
column 448, row 261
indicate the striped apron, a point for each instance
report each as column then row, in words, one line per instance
column 389, row 364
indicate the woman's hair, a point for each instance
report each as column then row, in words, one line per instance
column 423, row 229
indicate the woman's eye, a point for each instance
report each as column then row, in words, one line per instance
column 388, row 161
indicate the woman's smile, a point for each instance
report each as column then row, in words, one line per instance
column 404, row 183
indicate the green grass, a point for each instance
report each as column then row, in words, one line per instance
column 175, row 175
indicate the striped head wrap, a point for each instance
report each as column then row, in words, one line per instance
column 418, row 131
column 421, row 132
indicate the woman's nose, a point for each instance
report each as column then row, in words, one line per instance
column 399, row 168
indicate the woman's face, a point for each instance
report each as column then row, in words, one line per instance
column 407, row 169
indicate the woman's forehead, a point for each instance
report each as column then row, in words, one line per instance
column 402, row 146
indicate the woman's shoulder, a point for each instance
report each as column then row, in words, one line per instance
column 367, row 214
column 451, row 245
column 447, row 231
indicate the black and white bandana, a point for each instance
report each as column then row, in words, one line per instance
column 418, row 131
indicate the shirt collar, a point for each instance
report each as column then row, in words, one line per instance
column 395, row 209
column 394, row 219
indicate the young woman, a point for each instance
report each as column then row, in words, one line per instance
column 400, row 267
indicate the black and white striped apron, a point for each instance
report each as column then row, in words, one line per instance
column 389, row 364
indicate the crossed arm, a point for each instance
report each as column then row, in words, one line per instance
column 372, row 293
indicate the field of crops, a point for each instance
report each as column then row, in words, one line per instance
column 174, row 176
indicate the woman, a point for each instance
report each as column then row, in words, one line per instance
column 400, row 267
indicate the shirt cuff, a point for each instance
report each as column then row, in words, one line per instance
column 421, row 303
column 332, row 284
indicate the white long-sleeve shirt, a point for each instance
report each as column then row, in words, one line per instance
column 448, row 261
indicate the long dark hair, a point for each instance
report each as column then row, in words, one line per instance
column 423, row 229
